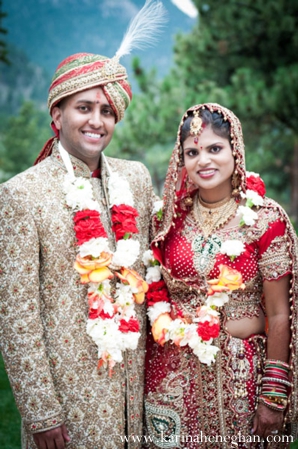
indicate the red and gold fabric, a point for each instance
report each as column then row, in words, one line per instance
column 190, row 404
column 83, row 71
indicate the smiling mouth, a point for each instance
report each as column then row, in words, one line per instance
column 206, row 172
column 93, row 135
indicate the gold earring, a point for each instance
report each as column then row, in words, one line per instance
column 235, row 184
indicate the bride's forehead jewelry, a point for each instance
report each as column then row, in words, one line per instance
column 196, row 126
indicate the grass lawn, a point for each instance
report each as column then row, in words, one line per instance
column 10, row 421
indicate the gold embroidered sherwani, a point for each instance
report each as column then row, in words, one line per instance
column 50, row 359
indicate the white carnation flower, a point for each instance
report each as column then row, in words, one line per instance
column 108, row 307
column 102, row 289
column 254, row 198
column 157, row 206
column 182, row 332
column 79, row 194
column 106, row 335
column 148, row 258
column 80, row 202
column 205, row 352
column 94, row 247
column 78, row 184
column 124, row 296
column 206, row 313
column 90, row 204
column 217, row 300
column 176, row 331
column 190, row 333
column 98, row 329
column 153, row 274
column 129, row 312
column 105, row 287
column 127, row 252
column 115, row 353
column 248, row 216
column 157, row 309
column 251, row 173
column 130, row 340
column 177, row 327
column 194, row 338
column 232, row 248
column 119, row 191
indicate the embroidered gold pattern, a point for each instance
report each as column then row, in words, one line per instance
column 275, row 261
column 49, row 339
column 213, row 386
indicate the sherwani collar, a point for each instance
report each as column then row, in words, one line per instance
column 80, row 168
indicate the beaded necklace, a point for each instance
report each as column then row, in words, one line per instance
column 211, row 217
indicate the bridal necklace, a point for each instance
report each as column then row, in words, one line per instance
column 212, row 216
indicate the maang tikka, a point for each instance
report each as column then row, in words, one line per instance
column 196, row 126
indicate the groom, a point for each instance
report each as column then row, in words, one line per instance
column 51, row 359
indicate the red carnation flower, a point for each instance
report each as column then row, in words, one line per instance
column 88, row 225
column 157, row 286
column 256, row 184
column 157, row 292
column 84, row 214
column 129, row 326
column 124, row 220
column 205, row 331
column 97, row 313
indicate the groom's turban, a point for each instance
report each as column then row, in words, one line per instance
column 85, row 70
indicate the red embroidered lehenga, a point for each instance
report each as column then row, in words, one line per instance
column 190, row 404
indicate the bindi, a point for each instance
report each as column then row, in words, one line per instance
column 98, row 95
column 196, row 140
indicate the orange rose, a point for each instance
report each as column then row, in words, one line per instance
column 159, row 328
column 93, row 270
column 229, row 279
column 132, row 278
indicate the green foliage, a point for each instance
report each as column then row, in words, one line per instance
column 22, row 139
column 10, row 421
column 241, row 55
column 247, row 50
column 150, row 125
column 259, row 34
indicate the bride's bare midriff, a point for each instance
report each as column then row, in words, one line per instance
column 245, row 327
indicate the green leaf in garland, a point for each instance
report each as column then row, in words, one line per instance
column 159, row 215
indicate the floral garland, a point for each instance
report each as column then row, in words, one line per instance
column 254, row 197
column 167, row 321
column 112, row 322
